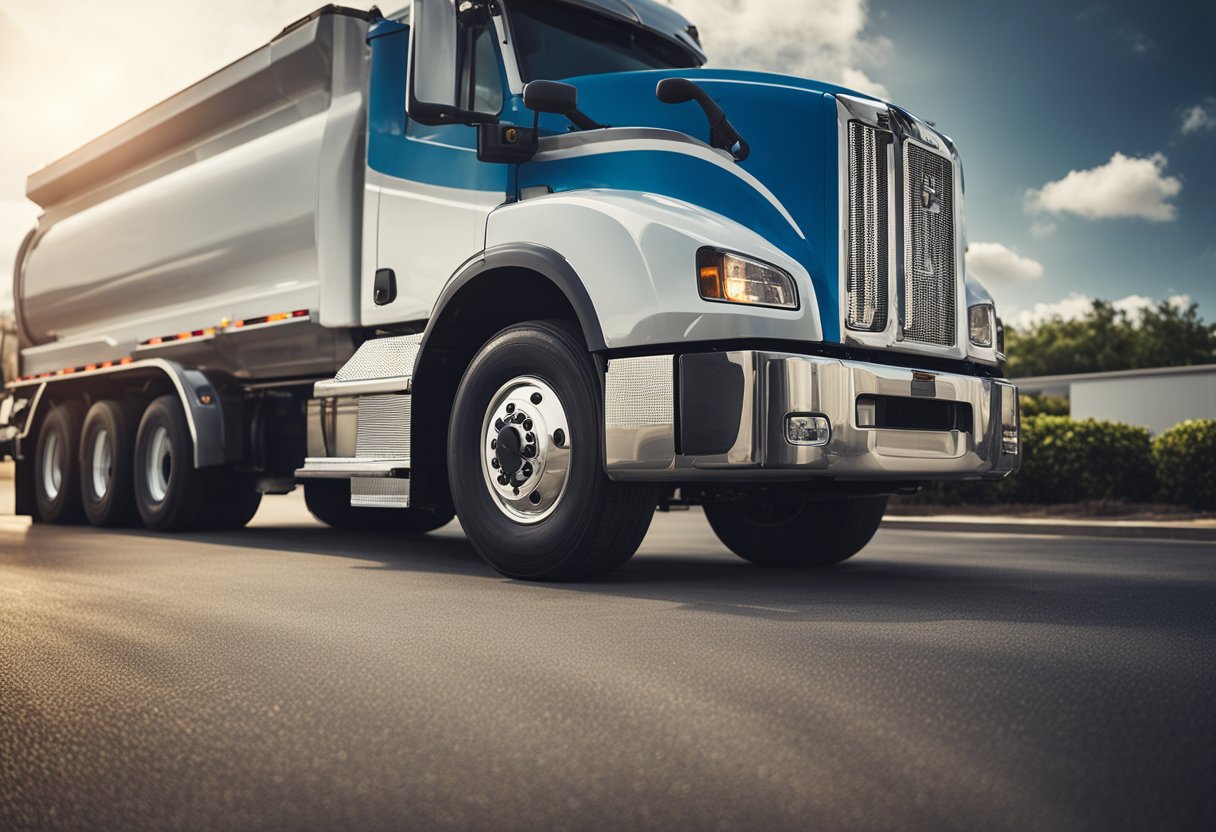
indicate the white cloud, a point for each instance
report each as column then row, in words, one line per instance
column 996, row 263
column 1125, row 186
column 1201, row 117
column 1076, row 305
column 824, row 39
column 1043, row 228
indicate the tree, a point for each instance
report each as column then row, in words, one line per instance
column 1106, row 339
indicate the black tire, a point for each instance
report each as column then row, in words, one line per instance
column 175, row 501
column 232, row 500
column 329, row 502
column 814, row 533
column 113, row 503
column 57, row 465
column 596, row 524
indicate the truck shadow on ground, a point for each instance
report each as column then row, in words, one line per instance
column 901, row 577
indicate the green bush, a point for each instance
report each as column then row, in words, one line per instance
column 1186, row 464
column 1066, row 461
column 1033, row 404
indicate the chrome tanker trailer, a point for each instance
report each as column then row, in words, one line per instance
column 526, row 262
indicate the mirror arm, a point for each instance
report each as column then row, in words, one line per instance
column 583, row 121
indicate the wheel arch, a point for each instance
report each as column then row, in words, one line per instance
column 470, row 310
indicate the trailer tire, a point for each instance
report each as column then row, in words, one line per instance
column 329, row 502
column 57, row 465
column 232, row 500
column 524, row 460
column 813, row 533
column 106, row 457
column 169, row 491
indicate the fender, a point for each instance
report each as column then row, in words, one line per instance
column 632, row 257
column 536, row 258
column 200, row 401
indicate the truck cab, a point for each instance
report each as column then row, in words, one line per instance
column 559, row 273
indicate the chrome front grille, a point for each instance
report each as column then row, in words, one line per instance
column 867, row 269
column 929, row 248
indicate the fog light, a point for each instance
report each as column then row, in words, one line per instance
column 805, row 429
column 1009, row 420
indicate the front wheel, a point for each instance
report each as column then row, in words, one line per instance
column 782, row 533
column 525, row 465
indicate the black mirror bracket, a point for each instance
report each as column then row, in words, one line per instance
column 722, row 134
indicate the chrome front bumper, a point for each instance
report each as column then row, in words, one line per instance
column 722, row 416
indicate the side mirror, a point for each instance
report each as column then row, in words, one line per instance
column 551, row 97
column 433, row 87
column 559, row 98
column 722, row 134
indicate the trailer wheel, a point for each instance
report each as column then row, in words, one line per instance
column 814, row 533
column 57, row 465
column 329, row 502
column 106, row 443
column 232, row 500
column 169, row 490
column 525, row 464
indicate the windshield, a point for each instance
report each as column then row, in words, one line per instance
column 556, row 40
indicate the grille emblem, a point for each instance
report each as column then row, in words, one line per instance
column 929, row 200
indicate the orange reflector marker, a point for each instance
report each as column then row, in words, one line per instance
column 126, row 360
column 711, row 282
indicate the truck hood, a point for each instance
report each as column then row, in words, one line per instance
column 786, row 190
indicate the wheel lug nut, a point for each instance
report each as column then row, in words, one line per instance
column 498, row 424
column 536, row 398
column 516, row 492
column 527, row 470
column 530, row 438
column 534, row 497
column 530, row 450
column 527, row 424
column 519, row 417
column 510, row 408
column 493, row 444
column 502, row 479
column 493, row 463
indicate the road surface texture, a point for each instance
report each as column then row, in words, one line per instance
column 292, row 677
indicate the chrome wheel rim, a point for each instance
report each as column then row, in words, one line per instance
column 102, row 463
column 158, row 465
column 52, row 466
column 525, row 449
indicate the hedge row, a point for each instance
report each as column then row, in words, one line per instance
column 1067, row 461
column 1186, row 464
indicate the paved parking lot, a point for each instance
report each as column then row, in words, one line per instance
column 289, row 676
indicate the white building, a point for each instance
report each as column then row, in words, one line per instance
column 1158, row 398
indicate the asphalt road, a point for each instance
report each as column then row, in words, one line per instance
column 289, row 676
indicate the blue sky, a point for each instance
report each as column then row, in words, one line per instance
column 1031, row 91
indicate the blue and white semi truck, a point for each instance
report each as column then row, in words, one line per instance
column 525, row 262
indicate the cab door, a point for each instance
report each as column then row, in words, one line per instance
column 432, row 192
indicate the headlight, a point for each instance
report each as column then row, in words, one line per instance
column 980, row 324
column 733, row 278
